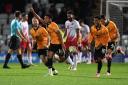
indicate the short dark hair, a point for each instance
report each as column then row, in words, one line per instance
column 102, row 16
column 97, row 17
column 24, row 14
column 81, row 20
column 17, row 13
column 70, row 12
column 49, row 15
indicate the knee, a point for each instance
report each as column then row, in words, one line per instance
column 50, row 54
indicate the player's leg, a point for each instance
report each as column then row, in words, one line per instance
column 84, row 54
column 89, row 54
column 109, row 61
column 43, row 53
column 100, row 53
column 50, row 62
column 50, row 59
column 76, row 49
column 19, row 56
column 23, row 48
column 75, row 56
column 73, row 60
column 29, row 53
column 19, row 53
column 62, row 56
column 79, row 60
column 70, row 57
column 70, row 61
column 13, row 45
column 111, row 48
column 51, row 52
column 69, row 53
column 7, row 58
column 99, row 66
column 43, row 56
column 97, row 57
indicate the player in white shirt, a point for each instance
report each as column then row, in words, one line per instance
column 72, row 42
column 85, row 33
column 26, row 45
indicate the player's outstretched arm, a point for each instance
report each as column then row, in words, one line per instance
column 37, row 16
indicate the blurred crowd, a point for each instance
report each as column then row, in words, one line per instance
column 57, row 8
column 82, row 8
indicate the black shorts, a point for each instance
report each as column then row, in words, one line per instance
column 56, row 48
column 14, row 43
column 100, row 53
column 111, row 45
column 35, row 46
column 43, row 52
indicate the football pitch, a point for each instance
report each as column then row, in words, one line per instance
column 85, row 75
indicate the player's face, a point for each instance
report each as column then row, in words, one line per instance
column 103, row 21
column 82, row 23
column 69, row 17
column 46, row 19
column 26, row 17
column 35, row 22
column 20, row 17
column 96, row 22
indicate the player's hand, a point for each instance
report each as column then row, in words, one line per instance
column 99, row 46
column 28, row 40
column 24, row 39
column 46, row 45
column 108, row 56
column 33, row 41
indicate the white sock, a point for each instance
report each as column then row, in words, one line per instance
column 50, row 71
column 83, row 59
column 23, row 57
column 70, row 60
column 75, row 60
column 29, row 58
column 89, row 57
column 79, row 57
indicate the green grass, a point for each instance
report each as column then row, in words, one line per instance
column 85, row 75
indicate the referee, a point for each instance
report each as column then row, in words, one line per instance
column 14, row 44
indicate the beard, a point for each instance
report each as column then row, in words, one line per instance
column 35, row 25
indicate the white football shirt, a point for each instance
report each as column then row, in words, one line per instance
column 71, row 27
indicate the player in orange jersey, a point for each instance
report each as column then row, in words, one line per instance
column 56, row 41
column 41, row 37
column 100, row 35
column 114, row 36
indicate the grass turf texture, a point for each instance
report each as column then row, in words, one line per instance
column 85, row 75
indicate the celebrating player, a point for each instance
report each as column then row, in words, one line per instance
column 100, row 35
column 114, row 36
column 56, row 41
